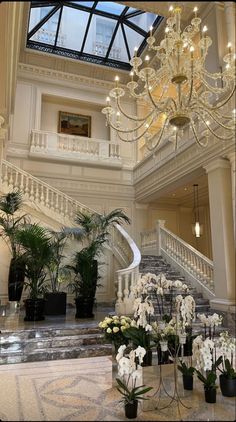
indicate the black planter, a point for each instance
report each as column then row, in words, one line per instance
column 147, row 359
column 227, row 386
column 84, row 307
column 55, row 303
column 34, row 309
column 16, row 278
column 131, row 409
column 163, row 357
column 188, row 382
column 210, row 395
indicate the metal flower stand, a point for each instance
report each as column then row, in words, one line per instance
column 166, row 393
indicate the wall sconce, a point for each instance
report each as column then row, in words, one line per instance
column 197, row 228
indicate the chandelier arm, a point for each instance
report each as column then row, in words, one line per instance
column 213, row 133
column 220, row 104
column 136, row 119
column 215, row 119
column 156, row 106
column 196, row 137
column 126, row 130
column 159, row 139
column 215, row 90
column 133, row 140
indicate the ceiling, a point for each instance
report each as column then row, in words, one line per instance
column 183, row 195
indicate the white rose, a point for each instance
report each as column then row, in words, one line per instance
column 116, row 329
column 109, row 331
column 104, row 325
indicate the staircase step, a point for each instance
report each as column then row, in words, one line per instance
column 58, row 353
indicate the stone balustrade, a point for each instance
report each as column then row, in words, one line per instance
column 60, row 145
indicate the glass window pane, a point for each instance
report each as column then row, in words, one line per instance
column 36, row 14
column 84, row 3
column 131, row 10
column 134, row 39
column 47, row 33
column 99, row 35
column 118, row 50
column 110, row 7
column 144, row 21
column 72, row 28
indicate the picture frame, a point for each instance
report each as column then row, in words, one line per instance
column 74, row 124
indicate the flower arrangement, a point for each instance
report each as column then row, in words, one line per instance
column 128, row 374
column 210, row 322
column 114, row 328
column 163, row 290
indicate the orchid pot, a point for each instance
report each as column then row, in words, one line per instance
column 164, row 345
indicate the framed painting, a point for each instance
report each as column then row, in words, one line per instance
column 74, row 124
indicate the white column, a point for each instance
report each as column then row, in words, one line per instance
column 221, row 215
column 2, row 142
column 230, row 20
column 159, row 224
column 231, row 157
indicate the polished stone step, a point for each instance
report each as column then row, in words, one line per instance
column 57, row 354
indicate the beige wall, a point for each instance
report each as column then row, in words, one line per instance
column 50, row 116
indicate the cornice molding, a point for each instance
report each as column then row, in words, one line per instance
column 52, row 75
column 219, row 163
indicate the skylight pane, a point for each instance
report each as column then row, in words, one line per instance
column 47, row 33
column 72, row 28
column 134, row 39
column 84, row 3
column 131, row 10
column 118, row 50
column 144, row 21
column 99, row 35
column 110, row 7
column 36, row 14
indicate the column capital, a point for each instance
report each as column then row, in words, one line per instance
column 219, row 163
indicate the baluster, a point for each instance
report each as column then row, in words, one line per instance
column 10, row 182
column 22, row 182
column 118, row 305
column 32, row 190
column 37, row 193
column 66, row 207
column 42, row 194
column 62, row 205
column 47, row 198
column 26, row 187
column 56, row 202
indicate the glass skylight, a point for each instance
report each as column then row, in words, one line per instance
column 102, row 32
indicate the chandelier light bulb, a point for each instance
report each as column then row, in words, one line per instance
column 204, row 29
column 108, row 100
column 135, row 51
column 147, row 58
column 171, row 8
column 151, row 29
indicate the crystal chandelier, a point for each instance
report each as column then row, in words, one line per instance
column 180, row 93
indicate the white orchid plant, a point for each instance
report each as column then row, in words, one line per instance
column 160, row 286
column 204, row 359
column 129, row 373
column 210, row 322
column 185, row 308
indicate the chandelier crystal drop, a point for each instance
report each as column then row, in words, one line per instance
column 180, row 93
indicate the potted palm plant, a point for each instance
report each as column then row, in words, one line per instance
column 92, row 233
column 10, row 222
column 36, row 243
column 55, row 303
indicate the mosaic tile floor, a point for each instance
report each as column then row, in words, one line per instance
column 81, row 390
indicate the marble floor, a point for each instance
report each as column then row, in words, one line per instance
column 83, row 390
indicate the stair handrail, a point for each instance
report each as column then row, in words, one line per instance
column 36, row 190
column 196, row 266
column 191, row 263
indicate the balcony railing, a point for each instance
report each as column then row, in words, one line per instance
column 52, row 145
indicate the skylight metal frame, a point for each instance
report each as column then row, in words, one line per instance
column 121, row 19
